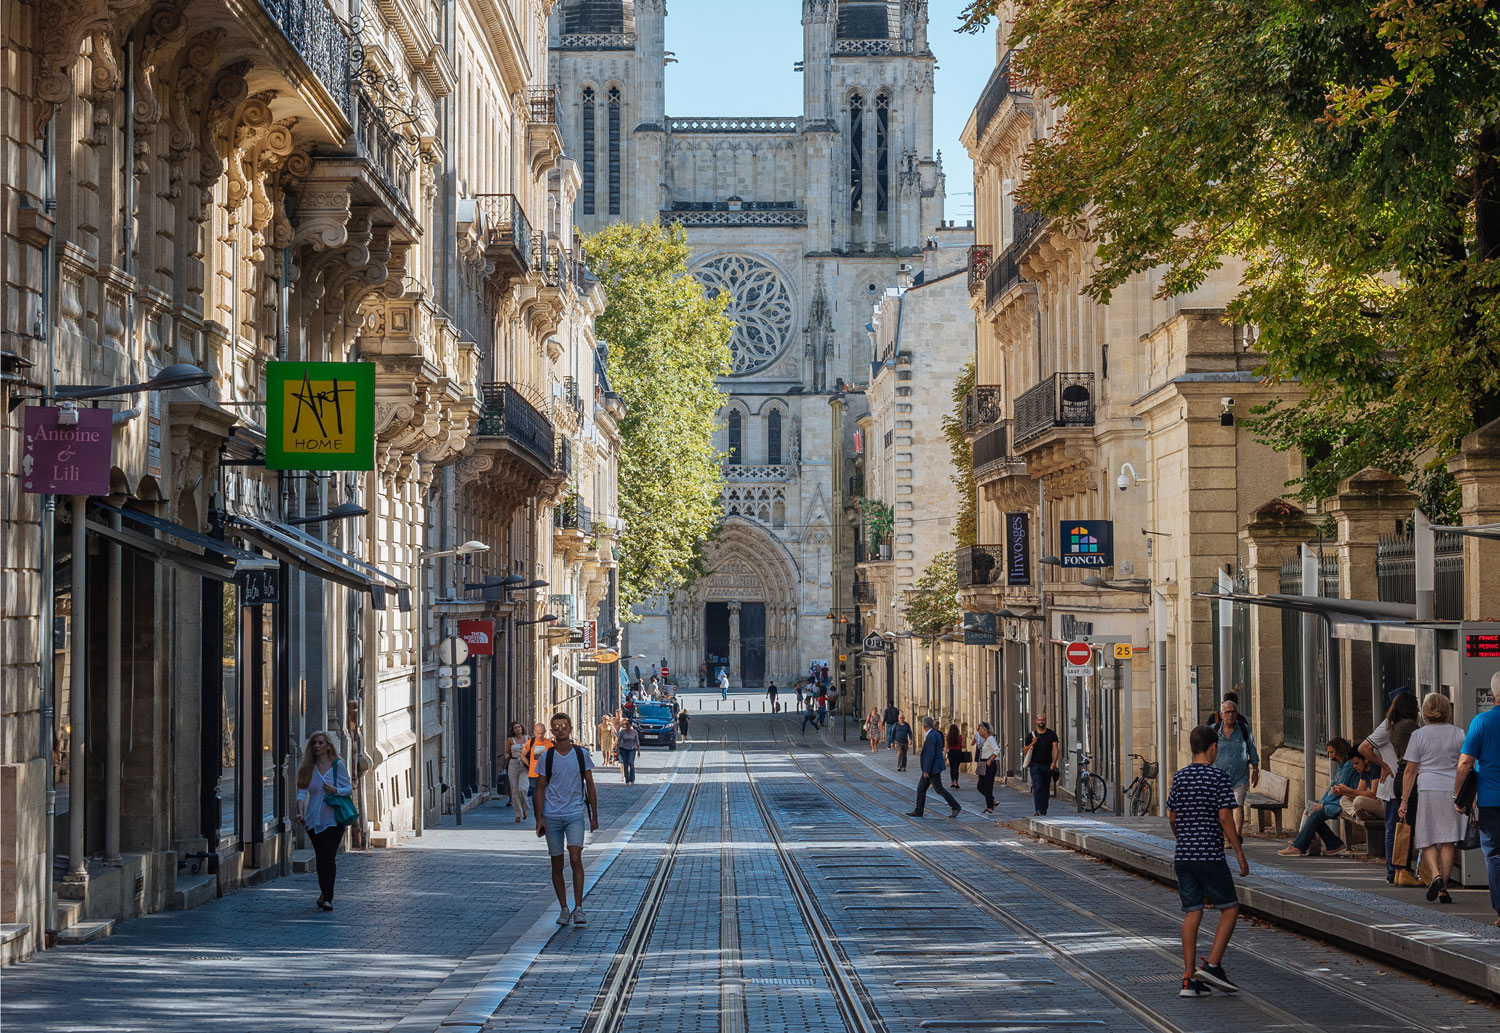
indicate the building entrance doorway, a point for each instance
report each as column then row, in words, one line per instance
column 715, row 638
column 753, row 643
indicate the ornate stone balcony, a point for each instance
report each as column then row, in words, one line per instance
column 544, row 143
column 321, row 39
column 777, row 472
column 1063, row 400
column 734, row 125
column 872, row 47
column 596, row 41
column 980, row 256
column 737, row 217
column 997, row 91
column 514, row 450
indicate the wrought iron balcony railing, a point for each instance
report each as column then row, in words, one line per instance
column 980, row 565
column 508, row 234
column 541, row 105
column 979, row 265
column 322, row 40
column 564, row 456
column 1061, row 400
column 996, row 91
column 981, row 407
column 508, row 414
column 864, row 592
column 990, row 455
column 1003, row 275
column 581, row 518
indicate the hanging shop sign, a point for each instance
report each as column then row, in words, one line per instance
column 66, row 451
column 259, row 587
column 320, row 416
column 1087, row 543
column 480, row 636
column 874, row 643
column 980, row 629
column 1018, row 549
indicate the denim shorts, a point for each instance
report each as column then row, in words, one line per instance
column 1197, row 880
column 571, row 829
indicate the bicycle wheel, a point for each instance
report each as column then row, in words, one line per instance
column 1092, row 796
column 1140, row 800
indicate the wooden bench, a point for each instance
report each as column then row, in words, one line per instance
column 1269, row 794
column 1372, row 826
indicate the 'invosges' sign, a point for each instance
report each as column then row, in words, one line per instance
column 320, row 416
column 1017, row 549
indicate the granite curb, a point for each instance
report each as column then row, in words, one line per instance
column 1444, row 956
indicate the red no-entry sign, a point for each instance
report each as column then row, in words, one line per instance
column 1078, row 654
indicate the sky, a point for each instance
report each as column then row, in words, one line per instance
column 731, row 64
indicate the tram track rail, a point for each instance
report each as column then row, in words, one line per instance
column 1414, row 1022
column 855, row 1005
column 1058, row 954
column 607, row 1012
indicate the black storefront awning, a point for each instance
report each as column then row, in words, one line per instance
column 219, row 560
column 305, row 552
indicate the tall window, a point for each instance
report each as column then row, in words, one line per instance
column 614, row 150
column 588, row 150
column 882, row 152
column 773, row 437
column 735, row 431
column 856, row 153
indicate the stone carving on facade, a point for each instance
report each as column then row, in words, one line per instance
column 760, row 305
column 163, row 35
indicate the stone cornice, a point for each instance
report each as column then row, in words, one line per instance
column 505, row 40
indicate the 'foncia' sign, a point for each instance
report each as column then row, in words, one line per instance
column 320, row 416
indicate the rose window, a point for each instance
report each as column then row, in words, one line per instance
column 760, row 305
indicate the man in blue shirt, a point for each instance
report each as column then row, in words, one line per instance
column 933, row 763
column 1481, row 751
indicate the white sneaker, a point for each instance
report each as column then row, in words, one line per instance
column 564, row 916
column 579, row 918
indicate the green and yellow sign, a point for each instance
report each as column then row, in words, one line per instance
column 320, row 416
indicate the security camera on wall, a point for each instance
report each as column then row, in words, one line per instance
column 1122, row 482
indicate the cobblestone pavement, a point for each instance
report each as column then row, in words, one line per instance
column 938, row 924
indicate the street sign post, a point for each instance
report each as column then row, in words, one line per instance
column 1080, row 660
column 453, row 650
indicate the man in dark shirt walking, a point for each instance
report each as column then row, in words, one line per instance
column 933, row 762
column 903, row 736
column 891, row 716
column 1043, row 745
column 1202, row 809
column 771, row 692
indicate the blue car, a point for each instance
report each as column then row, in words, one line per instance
column 658, row 724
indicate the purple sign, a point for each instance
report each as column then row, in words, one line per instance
column 66, row 458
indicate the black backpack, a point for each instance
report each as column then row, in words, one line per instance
column 578, row 751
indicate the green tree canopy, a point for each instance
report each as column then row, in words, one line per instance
column 668, row 345
column 931, row 608
column 1349, row 150
column 965, row 528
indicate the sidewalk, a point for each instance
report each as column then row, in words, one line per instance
column 1343, row 900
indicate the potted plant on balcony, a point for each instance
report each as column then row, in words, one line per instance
column 880, row 521
column 568, row 508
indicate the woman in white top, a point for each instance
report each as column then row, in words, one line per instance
column 515, row 769
column 987, row 757
column 322, row 775
column 1431, row 767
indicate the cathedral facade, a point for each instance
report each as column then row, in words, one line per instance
column 804, row 220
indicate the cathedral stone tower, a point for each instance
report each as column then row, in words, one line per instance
column 804, row 220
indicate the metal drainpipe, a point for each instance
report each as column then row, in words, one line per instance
column 112, row 760
column 77, row 693
column 46, row 930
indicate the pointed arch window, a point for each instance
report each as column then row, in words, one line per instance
column 773, row 437
column 856, row 153
column 614, row 150
column 882, row 152
column 736, row 430
column 588, row 150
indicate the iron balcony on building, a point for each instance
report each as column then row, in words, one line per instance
column 997, row 91
column 580, row 519
column 981, row 408
column 507, row 234
column 864, row 592
column 980, row 256
column 980, row 565
column 1002, row 276
column 991, row 458
column 1061, row 400
column 322, row 40
column 507, row 415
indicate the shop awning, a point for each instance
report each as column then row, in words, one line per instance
column 219, row 560
column 581, row 689
column 307, row 553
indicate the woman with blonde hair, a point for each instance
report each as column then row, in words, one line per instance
column 872, row 729
column 321, row 776
column 1431, row 768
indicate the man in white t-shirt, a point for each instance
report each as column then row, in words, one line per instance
column 564, row 795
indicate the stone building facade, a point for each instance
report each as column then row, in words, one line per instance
column 1069, row 392
column 222, row 185
column 805, row 219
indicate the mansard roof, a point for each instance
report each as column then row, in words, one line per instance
column 868, row 19
column 604, row 16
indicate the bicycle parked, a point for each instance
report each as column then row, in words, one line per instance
column 1089, row 789
column 1139, row 791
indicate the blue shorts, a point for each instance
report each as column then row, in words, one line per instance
column 1200, row 880
column 571, row 829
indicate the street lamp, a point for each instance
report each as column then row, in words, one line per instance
column 342, row 511
column 468, row 548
